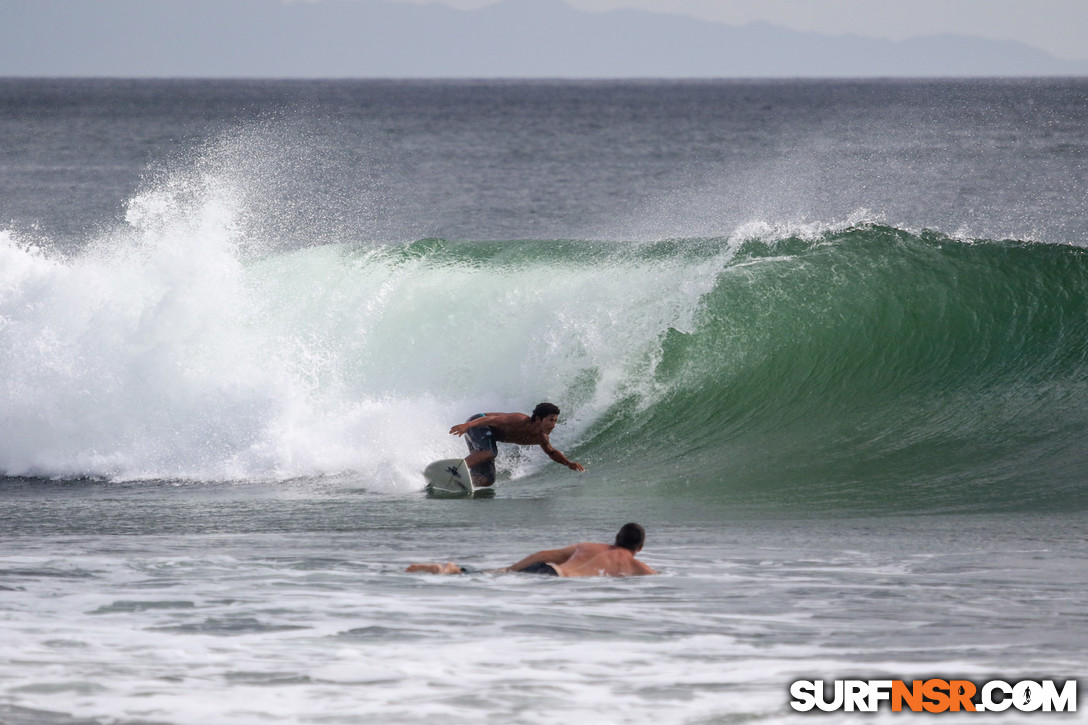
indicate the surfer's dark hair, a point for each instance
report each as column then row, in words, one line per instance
column 543, row 410
column 631, row 537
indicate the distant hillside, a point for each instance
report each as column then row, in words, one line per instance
column 512, row 39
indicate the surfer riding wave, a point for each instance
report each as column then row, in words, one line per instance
column 484, row 431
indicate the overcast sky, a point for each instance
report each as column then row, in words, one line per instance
column 1059, row 27
column 543, row 38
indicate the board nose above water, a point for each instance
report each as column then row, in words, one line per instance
column 449, row 476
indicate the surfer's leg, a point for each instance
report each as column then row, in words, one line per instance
column 483, row 475
column 481, row 458
column 478, row 458
column 448, row 568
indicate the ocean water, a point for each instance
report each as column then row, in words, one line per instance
column 826, row 341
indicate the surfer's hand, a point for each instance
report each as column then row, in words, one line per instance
column 459, row 429
column 576, row 467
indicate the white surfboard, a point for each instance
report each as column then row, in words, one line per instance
column 449, row 475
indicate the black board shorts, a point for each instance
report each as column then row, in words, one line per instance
column 482, row 438
column 541, row 567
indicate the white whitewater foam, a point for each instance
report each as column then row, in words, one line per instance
column 167, row 351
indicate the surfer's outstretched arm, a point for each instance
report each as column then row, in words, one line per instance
column 485, row 419
column 557, row 455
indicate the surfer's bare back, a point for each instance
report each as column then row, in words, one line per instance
column 484, row 431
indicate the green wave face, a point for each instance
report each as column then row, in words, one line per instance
column 879, row 368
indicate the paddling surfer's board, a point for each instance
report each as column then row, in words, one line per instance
column 449, row 476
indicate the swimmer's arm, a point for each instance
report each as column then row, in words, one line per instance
column 551, row 556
